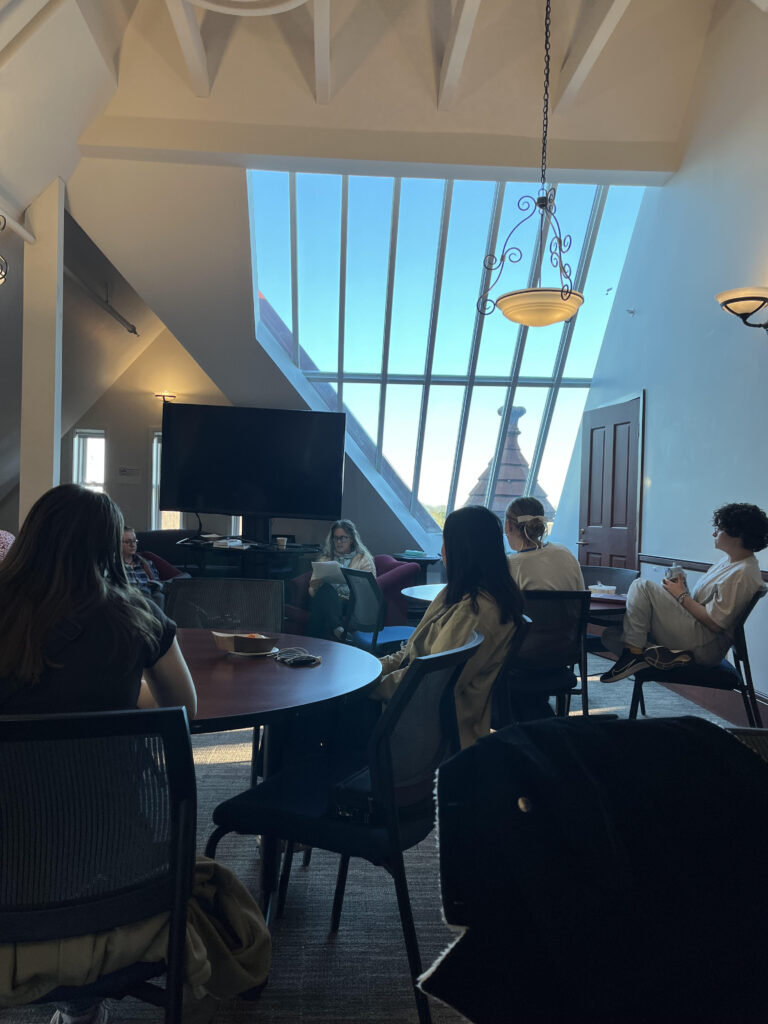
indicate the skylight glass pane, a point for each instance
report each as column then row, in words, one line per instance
column 421, row 203
column 318, row 217
column 616, row 227
column 480, row 443
column 401, row 428
column 562, row 436
column 465, row 251
column 271, row 238
column 368, row 237
column 362, row 401
column 440, row 437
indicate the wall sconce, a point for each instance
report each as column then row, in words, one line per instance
column 167, row 396
column 745, row 303
column 3, row 260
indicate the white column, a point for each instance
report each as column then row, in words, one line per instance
column 41, row 347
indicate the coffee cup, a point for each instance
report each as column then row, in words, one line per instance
column 281, row 543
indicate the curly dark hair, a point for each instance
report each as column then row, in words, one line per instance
column 746, row 522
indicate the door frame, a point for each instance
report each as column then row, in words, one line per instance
column 619, row 400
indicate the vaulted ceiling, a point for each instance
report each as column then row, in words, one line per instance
column 149, row 109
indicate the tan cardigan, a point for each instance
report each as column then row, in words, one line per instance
column 227, row 948
column 442, row 629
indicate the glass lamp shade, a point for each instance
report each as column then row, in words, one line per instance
column 539, row 307
column 744, row 302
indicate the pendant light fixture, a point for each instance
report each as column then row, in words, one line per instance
column 3, row 260
column 536, row 307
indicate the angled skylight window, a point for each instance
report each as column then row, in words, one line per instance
column 370, row 285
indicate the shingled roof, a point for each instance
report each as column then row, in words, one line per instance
column 513, row 472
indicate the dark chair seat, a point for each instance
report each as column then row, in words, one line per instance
column 294, row 805
column 735, row 676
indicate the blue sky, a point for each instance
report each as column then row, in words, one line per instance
column 418, row 232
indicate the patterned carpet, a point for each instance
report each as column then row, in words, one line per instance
column 360, row 974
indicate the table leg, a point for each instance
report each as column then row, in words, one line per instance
column 271, row 749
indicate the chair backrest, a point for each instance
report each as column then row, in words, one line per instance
column 367, row 605
column 418, row 729
column 739, row 641
column 610, row 576
column 556, row 634
column 97, row 822
column 237, row 605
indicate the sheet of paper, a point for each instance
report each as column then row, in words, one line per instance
column 328, row 572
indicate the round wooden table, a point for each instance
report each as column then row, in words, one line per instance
column 235, row 691
column 426, row 592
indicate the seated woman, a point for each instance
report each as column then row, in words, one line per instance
column 536, row 565
column 481, row 596
column 328, row 600
column 75, row 636
column 665, row 626
column 141, row 572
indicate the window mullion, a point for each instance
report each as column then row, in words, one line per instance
column 388, row 319
column 433, row 316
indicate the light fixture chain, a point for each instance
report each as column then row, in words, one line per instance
column 545, row 113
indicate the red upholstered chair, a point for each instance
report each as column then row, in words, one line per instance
column 165, row 570
column 391, row 576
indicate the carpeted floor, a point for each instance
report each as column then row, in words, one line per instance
column 360, row 974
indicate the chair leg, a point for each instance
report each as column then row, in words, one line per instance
column 285, row 877
column 409, row 934
column 756, row 721
column 643, row 712
column 307, row 857
column 637, row 696
column 584, row 673
column 338, row 896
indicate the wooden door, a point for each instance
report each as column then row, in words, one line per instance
column 611, row 457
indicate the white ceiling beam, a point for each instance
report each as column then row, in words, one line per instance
column 15, row 18
column 456, row 51
column 191, row 43
column 322, row 51
column 593, row 30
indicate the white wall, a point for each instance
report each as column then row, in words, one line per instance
column 705, row 375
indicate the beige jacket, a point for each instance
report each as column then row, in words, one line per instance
column 363, row 562
column 227, row 949
column 442, row 629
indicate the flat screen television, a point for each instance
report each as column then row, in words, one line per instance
column 252, row 462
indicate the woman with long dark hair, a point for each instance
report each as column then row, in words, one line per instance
column 481, row 596
column 74, row 635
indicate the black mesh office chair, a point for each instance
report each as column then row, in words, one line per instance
column 237, row 605
column 736, row 676
column 610, row 575
column 376, row 811
column 97, row 830
column 553, row 645
column 367, row 613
